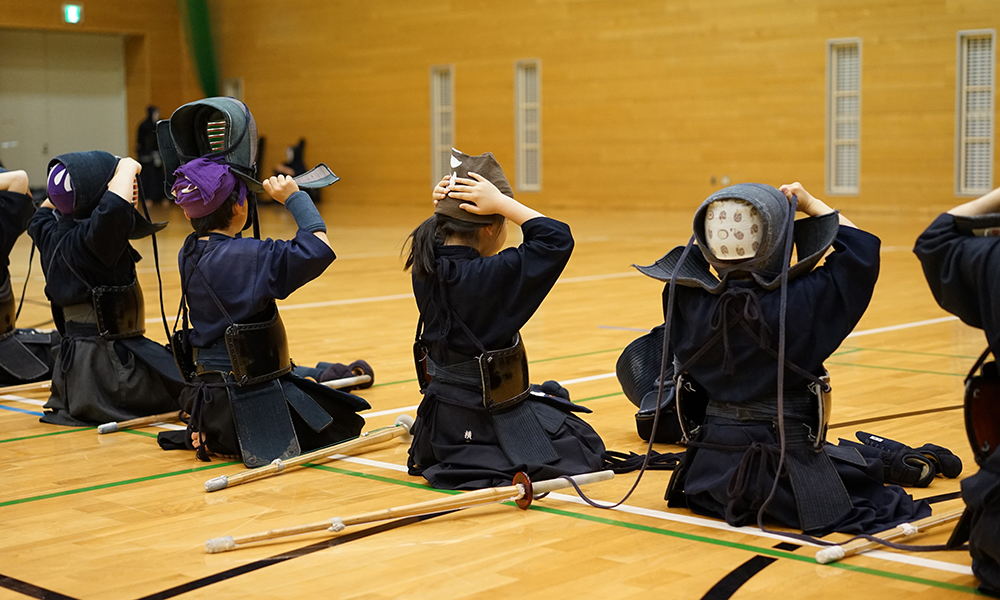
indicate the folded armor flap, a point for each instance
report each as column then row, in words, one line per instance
column 638, row 367
column 522, row 436
column 20, row 362
column 263, row 424
column 311, row 412
column 693, row 273
column 143, row 228
column 347, row 400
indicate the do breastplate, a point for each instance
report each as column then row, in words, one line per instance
column 8, row 308
column 121, row 310
column 259, row 351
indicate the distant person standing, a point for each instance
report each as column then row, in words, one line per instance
column 295, row 165
column 147, row 150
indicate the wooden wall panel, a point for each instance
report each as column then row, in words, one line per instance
column 643, row 101
column 157, row 67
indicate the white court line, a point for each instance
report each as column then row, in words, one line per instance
column 940, row 565
column 346, row 301
column 590, row 378
column 23, row 400
column 407, row 295
column 597, row 277
column 388, row 412
column 902, row 326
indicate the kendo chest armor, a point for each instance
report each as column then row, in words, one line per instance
column 120, row 310
column 982, row 408
column 259, row 351
column 8, row 310
column 500, row 375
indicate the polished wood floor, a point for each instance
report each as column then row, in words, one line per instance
column 114, row 517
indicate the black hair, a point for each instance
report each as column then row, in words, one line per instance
column 435, row 230
column 220, row 218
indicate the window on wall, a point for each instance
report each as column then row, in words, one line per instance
column 843, row 151
column 528, row 124
column 974, row 119
column 442, row 120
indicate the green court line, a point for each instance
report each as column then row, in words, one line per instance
column 598, row 397
column 675, row 534
column 395, row 382
column 897, row 369
column 913, row 352
column 142, row 433
column 541, row 360
column 104, row 486
column 31, row 437
column 757, row 549
column 850, row 351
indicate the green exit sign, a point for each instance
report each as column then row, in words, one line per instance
column 72, row 13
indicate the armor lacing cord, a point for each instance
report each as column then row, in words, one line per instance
column 619, row 462
column 156, row 259
column 27, row 278
column 203, row 397
column 727, row 307
column 66, row 350
column 659, row 391
column 739, row 484
column 781, row 419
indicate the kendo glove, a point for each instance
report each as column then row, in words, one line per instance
column 945, row 462
column 901, row 464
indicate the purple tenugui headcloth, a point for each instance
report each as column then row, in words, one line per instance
column 60, row 189
column 202, row 186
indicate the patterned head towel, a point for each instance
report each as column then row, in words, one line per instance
column 202, row 185
column 485, row 165
column 733, row 229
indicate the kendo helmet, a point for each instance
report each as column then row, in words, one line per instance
column 221, row 126
column 770, row 210
column 77, row 181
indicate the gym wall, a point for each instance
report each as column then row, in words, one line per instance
column 157, row 68
column 644, row 103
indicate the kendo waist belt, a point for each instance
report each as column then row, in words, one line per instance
column 799, row 406
column 800, row 409
column 75, row 328
column 465, row 374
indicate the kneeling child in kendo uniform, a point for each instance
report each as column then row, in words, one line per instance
column 474, row 298
column 960, row 254
column 247, row 399
column 26, row 355
column 734, row 374
column 105, row 370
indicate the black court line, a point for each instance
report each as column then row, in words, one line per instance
column 897, row 416
column 943, row 497
column 280, row 558
column 27, row 589
column 790, row 547
column 733, row 581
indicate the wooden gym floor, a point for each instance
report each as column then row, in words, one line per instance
column 114, row 517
